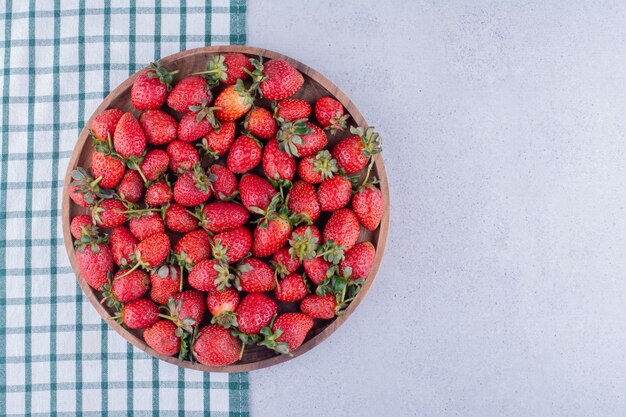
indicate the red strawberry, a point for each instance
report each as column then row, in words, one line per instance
column 292, row 288
column 131, row 187
column 368, row 205
column 304, row 242
column 161, row 336
column 109, row 168
column 150, row 88
column 207, row 275
column 313, row 142
column 223, row 216
column 193, row 126
column 256, row 276
column 319, row 307
column 310, row 231
column 276, row 163
column 159, row 193
column 178, row 219
column 260, row 122
column 196, row 246
column 316, row 269
column 146, row 224
column 303, row 201
column 223, row 182
column 270, row 237
column 158, row 126
column 244, row 155
column 192, row 188
column 190, row 91
column 81, row 225
column 123, row 244
column 334, row 193
column 129, row 139
column 353, row 152
column 84, row 190
column 130, row 287
column 227, row 68
column 284, row 263
column 360, row 260
column 292, row 109
column 155, row 164
column 78, row 196
column 329, row 114
column 153, row 250
column 164, row 283
column 288, row 332
column 215, row 346
column 183, row 156
column 315, row 170
column 189, row 304
column 233, row 102
column 139, row 314
column 280, row 79
column 104, row 124
column 217, row 143
column 109, row 213
column 342, row 228
column 255, row 311
column 230, row 247
column 301, row 138
column 255, row 191
column 222, row 305
column 95, row 263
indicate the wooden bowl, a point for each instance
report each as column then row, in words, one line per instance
column 315, row 86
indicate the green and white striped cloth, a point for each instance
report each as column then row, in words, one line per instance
column 57, row 357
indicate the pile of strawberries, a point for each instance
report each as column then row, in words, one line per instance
column 182, row 221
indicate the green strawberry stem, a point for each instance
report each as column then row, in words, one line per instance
column 212, row 71
column 180, row 285
column 146, row 210
column 95, row 182
column 137, row 265
column 243, row 346
column 165, row 316
column 143, row 177
column 367, row 174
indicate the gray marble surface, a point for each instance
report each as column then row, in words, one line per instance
column 503, row 288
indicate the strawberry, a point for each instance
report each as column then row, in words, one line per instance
column 129, row 139
column 315, row 170
column 146, row 224
column 256, row 276
column 161, row 336
column 95, row 262
column 314, row 141
column 84, row 190
column 164, row 283
column 255, row 191
column 215, row 346
column 123, row 244
column 316, row 269
column 193, row 126
column 368, row 205
column 260, row 123
column 329, row 114
column 183, row 156
column 353, row 152
column 139, row 314
column 230, row 247
column 207, row 275
column 103, row 125
column 217, row 143
column 155, row 164
column 302, row 201
column 280, row 79
column 276, row 163
column 223, row 182
column 319, row 307
column 158, row 126
column 227, row 68
column 192, row 188
column 334, row 193
column 292, row 109
column 304, row 242
column 150, row 88
column 284, row 263
column 288, row 332
column 190, row 91
column 131, row 187
column 187, row 305
column 81, row 225
column 153, row 250
column 244, row 155
column 255, row 311
column 109, row 168
column 222, row 305
column 270, row 235
column 342, row 228
column 193, row 247
column 178, row 219
column 301, row 138
column 130, row 287
column 233, row 102
column 310, row 231
column 292, row 288
column 359, row 259
column 158, row 193
column 223, row 216
column 109, row 213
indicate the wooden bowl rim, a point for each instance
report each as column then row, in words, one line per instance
column 331, row 327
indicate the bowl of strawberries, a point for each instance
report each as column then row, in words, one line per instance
column 226, row 208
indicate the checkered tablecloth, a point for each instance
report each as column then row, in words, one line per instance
column 61, row 58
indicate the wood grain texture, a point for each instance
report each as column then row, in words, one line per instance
column 316, row 86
